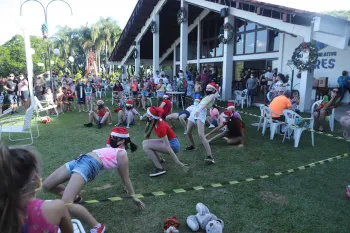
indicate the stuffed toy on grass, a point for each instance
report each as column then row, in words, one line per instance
column 171, row 225
column 214, row 226
column 45, row 119
column 204, row 220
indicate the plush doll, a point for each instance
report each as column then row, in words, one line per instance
column 215, row 226
column 201, row 219
column 170, row 225
column 45, row 119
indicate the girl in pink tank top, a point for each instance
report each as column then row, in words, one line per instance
column 22, row 212
column 86, row 167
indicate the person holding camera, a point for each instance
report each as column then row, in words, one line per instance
column 11, row 88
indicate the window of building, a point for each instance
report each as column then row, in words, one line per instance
column 210, row 45
column 261, row 41
column 252, row 38
column 274, row 41
column 192, row 45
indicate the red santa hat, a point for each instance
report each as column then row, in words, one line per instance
column 213, row 85
column 129, row 103
column 120, row 132
column 155, row 112
column 231, row 106
column 226, row 114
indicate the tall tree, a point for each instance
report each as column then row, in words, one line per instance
column 345, row 14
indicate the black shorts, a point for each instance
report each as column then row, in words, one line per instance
column 24, row 95
column 81, row 101
column 134, row 93
column 12, row 98
column 185, row 112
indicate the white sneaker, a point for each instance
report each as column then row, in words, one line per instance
column 211, row 126
column 185, row 132
column 141, row 118
column 128, row 126
column 117, row 124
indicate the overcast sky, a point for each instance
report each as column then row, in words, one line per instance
column 89, row 11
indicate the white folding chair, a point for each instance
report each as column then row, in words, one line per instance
column 273, row 123
column 292, row 127
column 261, row 106
column 13, row 126
column 241, row 97
column 77, row 227
column 40, row 108
column 330, row 118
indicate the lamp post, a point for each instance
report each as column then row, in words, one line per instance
column 71, row 59
column 44, row 29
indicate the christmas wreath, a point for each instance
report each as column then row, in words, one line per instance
column 313, row 55
column 134, row 53
column 226, row 27
column 181, row 15
column 153, row 26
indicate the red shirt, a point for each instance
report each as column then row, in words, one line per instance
column 101, row 112
column 166, row 108
column 163, row 129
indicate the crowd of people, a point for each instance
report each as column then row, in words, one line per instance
column 34, row 215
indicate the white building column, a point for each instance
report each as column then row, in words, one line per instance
column 29, row 61
column 184, row 39
column 305, row 89
column 137, row 59
column 199, row 33
column 227, row 66
column 156, row 44
column 174, row 61
column 125, row 72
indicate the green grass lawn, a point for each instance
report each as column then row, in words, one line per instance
column 311, row 200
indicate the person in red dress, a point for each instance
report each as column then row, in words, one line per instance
column 167, row 142
column 166, row 105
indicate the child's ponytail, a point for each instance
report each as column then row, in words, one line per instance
column 16, row 168
column 133, row 146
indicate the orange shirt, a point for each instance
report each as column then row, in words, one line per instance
column 279, row 104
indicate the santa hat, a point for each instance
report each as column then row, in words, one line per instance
column 230, row 106
column 226, row 114
column 155, row 112
column 120, row 132
column 165, row 96
column 213, row 85
column 198, row 100
column 129, row 103
column 100, row 102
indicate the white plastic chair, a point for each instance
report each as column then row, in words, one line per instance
column 77, row 227
column 291, row 118
column 6, row 112
column 12, row 126
column 261, row 106
column 330, row 117
column 268, row 120
column 241, row 97
column 40, row 108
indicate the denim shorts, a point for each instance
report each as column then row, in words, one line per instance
column 86, row 166
column 175, row 144
column 144, row 93
column 197, row 95
column 214, row 122
column 160, row 93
